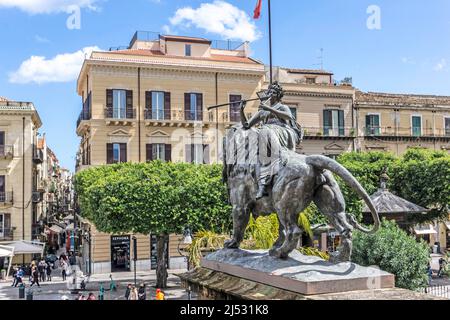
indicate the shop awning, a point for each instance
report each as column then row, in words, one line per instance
column 6, row 251
column 447, row 224
column 425, row 229
column 56, row 229
column 26, row 247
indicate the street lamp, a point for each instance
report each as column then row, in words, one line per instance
column 187, row 240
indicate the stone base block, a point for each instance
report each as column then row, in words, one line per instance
column 301, row 274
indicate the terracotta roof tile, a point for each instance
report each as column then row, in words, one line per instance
column 401, row 99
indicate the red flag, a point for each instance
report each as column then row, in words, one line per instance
column 257, row 12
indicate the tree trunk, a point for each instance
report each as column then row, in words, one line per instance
column 161, row 269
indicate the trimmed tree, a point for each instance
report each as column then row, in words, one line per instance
column 393, row 251
column 156, row 197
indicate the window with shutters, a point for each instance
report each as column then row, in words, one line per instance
column 333, row 123
column 294, row 112
column 235, row 112
column 2, row 189
column 197, row 153
column 193, row 106
column 158, row 105
column 373, row 125
column 116, row 153
column 416, row 125
column 119, row 104
column 2, row 144
column 187, row 50
column 159, row 151
column 447, row 126
column 2, row 225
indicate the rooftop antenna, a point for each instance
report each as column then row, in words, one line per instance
column 320, row 60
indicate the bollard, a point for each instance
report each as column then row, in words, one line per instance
column 21, row 291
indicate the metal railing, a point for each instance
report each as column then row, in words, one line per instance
column 6, row 234
column 120, row 114
column 329, row 132
column 38, row 155
column 6, row 197
column 438, row 291
column 405, row 131
column 229, row 45
column 6, row 151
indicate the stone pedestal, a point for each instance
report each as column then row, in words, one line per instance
column 254, row 275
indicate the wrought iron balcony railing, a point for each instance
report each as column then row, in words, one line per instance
column 6, row 151
column 6, row 197
column 120, row 114
column 6, row 234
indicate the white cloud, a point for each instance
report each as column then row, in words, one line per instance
column 218, row 17
column 48, row 6
column 61, row 68
column 441, row 65
column 167, row 30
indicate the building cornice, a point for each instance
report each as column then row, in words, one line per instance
column 390, row 106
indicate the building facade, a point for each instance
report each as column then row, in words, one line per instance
column 150, row 102
column 396, row 122
column 19, row 158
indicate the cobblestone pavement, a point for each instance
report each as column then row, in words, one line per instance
column 56, row 289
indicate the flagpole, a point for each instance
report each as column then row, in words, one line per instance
column 270, row 43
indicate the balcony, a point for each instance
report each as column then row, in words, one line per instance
column 321, row 133
column 37, row 197
column 85, row 115
column 178, row 118
column 119, row 117
column 406, row 132
column 38, row 155
column 6, row 198
column 6, row 234
column 6, row 151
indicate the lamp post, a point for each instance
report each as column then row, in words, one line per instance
column 187, row 240
column 135, row 258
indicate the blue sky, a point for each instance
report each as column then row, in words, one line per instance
column 408, row 53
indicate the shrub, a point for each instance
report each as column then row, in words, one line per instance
column 394, row 251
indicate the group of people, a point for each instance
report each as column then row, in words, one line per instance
column 39, row 272
column 133, row 293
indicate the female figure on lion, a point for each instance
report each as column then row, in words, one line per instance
column 279, row 131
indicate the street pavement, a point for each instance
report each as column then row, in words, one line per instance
column 58, row 288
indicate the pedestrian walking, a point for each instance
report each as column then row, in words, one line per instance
column 141, row 293
column 35, row 276
column 19, row 276
column 430, row 273
column 134, row 295
column 128, row 292
column 64, row 267
column 49, row 272
column 42, row 266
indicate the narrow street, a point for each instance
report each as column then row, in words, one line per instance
column 58, row 288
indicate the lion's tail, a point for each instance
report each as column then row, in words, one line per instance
column 326, row 163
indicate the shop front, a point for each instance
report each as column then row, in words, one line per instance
column 120, row 253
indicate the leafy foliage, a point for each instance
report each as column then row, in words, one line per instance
column 393, row 251
column 421, row 176
column 154, row 197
